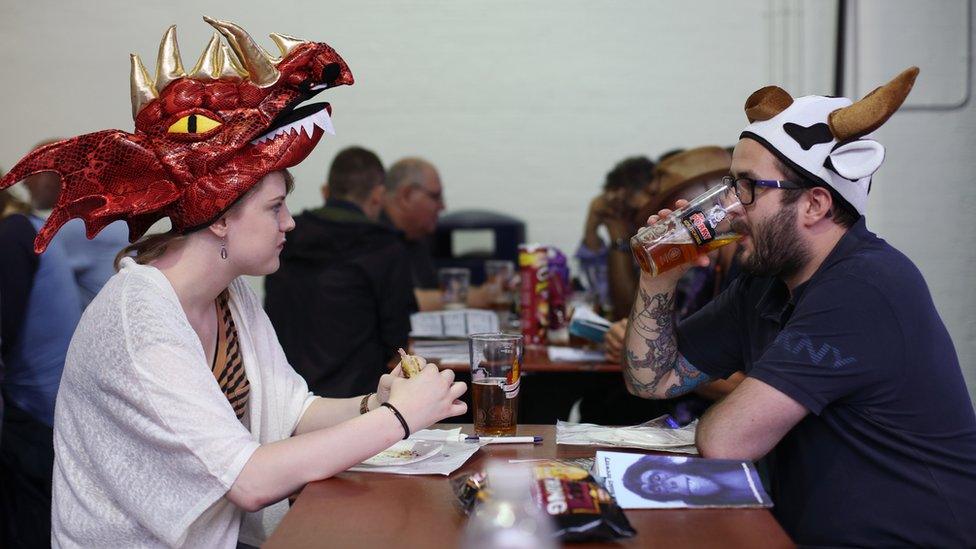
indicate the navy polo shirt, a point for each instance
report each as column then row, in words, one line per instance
column 887, row 455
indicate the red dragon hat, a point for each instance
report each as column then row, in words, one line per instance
column 202, row 139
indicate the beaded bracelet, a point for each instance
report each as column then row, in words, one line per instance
column 364, row 404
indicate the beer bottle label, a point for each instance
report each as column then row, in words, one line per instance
column 698, row 227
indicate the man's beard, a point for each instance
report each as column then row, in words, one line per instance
column 778, row 249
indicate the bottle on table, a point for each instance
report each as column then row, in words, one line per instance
column 510, row 519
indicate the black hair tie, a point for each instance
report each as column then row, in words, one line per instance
column 399, row 416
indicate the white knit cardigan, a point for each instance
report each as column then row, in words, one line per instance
column 146, row 444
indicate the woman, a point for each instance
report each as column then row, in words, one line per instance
column 179, row 421
column 139, row 397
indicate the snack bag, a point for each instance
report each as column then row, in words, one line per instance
column 581, row 508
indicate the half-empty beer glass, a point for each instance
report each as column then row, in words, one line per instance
column 496, row 365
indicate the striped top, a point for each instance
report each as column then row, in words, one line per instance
column 228, row 367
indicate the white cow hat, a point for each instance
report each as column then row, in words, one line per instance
column 827, row 139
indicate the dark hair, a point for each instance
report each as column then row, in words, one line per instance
column 841, row 211
column 354, row 173
column 634, row 173
column 151, row 247
column 710, row 469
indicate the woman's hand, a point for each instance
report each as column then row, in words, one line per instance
column 613, row 342
column 386, row 383
column 428, row 397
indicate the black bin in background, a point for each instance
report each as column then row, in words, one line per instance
column 489, row 235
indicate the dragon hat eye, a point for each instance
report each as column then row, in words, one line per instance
column 193, row 123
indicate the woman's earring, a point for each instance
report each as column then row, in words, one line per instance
column 223, row 249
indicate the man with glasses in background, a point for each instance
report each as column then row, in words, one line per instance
column 853, row 389
column 414, row 200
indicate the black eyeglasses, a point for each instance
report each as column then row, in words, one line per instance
column 436, row 197
column 745, row 187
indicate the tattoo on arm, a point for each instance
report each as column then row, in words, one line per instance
column 688, row 377
column 652, row 349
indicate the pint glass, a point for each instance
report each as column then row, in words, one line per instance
column 700, row 227
column 454, row 283
column 496, row 364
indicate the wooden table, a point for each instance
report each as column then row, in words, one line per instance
column 365, row 510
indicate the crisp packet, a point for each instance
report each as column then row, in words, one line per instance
column 581, row 508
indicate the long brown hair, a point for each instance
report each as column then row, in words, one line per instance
column 152, row 247
column 147, row 248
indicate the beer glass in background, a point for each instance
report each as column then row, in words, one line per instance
column 496, row 364
column 703, row 225
column 454, row 283
column 501, row 280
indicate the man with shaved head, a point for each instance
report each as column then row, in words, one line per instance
column 853, row 391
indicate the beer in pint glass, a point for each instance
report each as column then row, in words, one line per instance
column 496, row 364
column 698, row 228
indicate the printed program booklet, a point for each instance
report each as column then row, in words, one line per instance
column 641, row 481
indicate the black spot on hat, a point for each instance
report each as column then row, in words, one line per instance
column 808, row 137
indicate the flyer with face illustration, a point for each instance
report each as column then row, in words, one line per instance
column 641, row 481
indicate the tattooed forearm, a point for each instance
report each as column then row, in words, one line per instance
column 687, row 378
column 652, row 321
column 654, row 368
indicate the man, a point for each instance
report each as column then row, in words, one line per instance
column 682, row 175
column 853, row 386
column 342, row 299
column 414, row 199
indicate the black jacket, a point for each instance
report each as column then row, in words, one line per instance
column 341, row 300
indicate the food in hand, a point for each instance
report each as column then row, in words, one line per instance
column 411, row 365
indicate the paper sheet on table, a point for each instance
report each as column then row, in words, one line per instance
column 454, row 454
column 459, row 323
column 573, row 354
column 652, row 435
column 447, row 351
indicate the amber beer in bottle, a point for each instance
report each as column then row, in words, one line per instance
column 703, row 225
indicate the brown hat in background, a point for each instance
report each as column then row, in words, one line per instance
column 682, row 170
